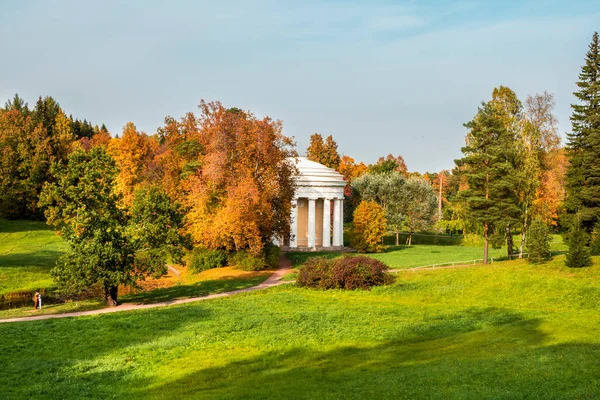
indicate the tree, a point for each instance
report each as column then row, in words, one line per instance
column 578, row 254
column 108, row 246
column 538, row 242
column 441, row 184
column 350, row 169
column 418, row 205
column 388, row 191
column 26, row 156
column 583, row 148
column 489, row 165
column 369, row 227
column 241, row 197
column 133, row 154
column 323, row 152
column 389, row 164
column 541, row 188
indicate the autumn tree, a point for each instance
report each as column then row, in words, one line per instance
column 583, row 149
column 241, row 196
column 350, row 169
column 441, row 184
column 323, row 152
column 489, row 167
column 108, row 246
column 133, row 154
column 388, row 164
column 369, row 227
column 541, row 166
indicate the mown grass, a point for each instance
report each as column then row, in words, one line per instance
column 419, row 255
column 510, row 330
column 28, row 251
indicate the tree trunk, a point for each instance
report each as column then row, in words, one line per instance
column 440, row 197
column 110, row 295
column 509, row 242
column 409, row 238
column 397, row 238
column 523, row 233
column 485, row 242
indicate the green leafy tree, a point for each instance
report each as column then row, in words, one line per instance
column 109, row 247
column 578, row 255
column 583, row 148
column 419, row 205
column 388, row 164
column 489, row 166
column 538, row 242
column 387, row 190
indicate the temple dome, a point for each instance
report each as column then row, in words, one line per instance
column 312, row 173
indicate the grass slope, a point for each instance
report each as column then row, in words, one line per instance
column 511, row 330
column 28, row 250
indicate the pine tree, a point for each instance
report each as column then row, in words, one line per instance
column 578, row 255
column 490, row 167
column 538, row 242
column 583, row 173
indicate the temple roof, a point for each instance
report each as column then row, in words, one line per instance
column 314, row 174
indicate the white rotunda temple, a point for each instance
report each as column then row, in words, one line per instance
column 317, row 220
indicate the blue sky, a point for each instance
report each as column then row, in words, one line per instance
column 382, row 77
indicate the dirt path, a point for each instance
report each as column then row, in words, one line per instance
column 285, row 266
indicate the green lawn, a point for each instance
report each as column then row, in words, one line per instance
column 420, row 255
column 508, row 330
column 28, row 250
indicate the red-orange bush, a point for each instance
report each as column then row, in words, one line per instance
column 350, row 273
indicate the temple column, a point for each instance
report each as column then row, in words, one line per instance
column 326, row 223
column 311, row 223
column 337, row 232
column 294, row 224
column 341, row 222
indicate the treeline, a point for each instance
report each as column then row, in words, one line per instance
column 30, row 141
column 222, row 180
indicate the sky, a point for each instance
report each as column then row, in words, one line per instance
column 381, row 77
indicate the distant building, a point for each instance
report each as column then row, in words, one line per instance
column 317, row 221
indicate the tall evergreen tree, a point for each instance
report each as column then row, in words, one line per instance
column 583, row 173
column 490, row 168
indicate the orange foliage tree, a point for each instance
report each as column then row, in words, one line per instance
column 241, row 196
column 369, row 227
column 133, row 155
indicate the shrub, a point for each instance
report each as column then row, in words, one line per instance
column 354, row 272
column 316, row 273
column 538, row 242
column 203, row 259
column 272, row 254
column 359, row 272
column 369, row 227
column 578, row 255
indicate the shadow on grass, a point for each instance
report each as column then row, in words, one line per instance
column 57, row 358
column 481, row 353
column 428, row 239
column 40, row 258
column 201, row 288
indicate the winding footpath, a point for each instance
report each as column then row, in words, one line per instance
column 285, row 266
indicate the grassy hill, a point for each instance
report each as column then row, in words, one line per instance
column 28, row 250
column 508, row 330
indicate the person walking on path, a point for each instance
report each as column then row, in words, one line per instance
column 37, row 299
